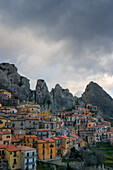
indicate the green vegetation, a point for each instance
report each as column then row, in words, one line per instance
column 105, row 149
column 109, row 120
column 45, row 166
column 49, row 166
column 69, row 108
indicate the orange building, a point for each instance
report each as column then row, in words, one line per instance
column 65, row 145
column 3, row 91
column 46, row 148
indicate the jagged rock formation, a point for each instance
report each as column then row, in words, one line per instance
column 57, row 99
column 42, row 94
column 61, row 98
column 94, row 94
column 11, row 80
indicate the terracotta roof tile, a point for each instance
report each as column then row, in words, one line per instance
column 41, row 141
column 30, row 136
column 25, row 148
column 3, row 146
column 56, row 138
column 38, row 130
column 49, row 139
column 11, row 148
column 65, row 137
column 5, row 132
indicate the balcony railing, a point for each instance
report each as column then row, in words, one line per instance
column 30, row 156
column 28, row 163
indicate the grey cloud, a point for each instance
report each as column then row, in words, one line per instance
column 84, row 27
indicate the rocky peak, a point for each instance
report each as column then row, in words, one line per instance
column 61, row 98
column 58, row 87
column 9, row 68
column 94, row 94
column 13, row 81
column 42, row 94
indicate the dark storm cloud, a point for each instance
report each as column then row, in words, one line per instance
column 78, row 19
column 83, row 27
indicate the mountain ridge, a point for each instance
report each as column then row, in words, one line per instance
column 58, row 98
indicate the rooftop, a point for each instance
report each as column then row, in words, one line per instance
column 25, row 148
column 11, row 148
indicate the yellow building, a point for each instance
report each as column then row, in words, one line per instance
column 5, row 137
column 34, row 108
column 46, row 148
column 3, row 91
column 4, row 123
column 85, row 111
column 45, row 114
column 12, row 155
column 82, row 143
column 65, row 145
column 2, row 153
column 22, row 110
column 29, row 140
column 91, row 124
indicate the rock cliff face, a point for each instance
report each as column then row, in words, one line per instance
column 61, row 98
column 42, row 94
column 11, row 80
column 57, row 99
column 94, row 94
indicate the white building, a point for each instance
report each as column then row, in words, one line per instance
column 28, row 157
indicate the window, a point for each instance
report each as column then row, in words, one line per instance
column 14, row 161
column 43, row 152
column 43, row 145
column 8, row 137
column 51, row 151
column 27, row 154
column 33, row 153
column 51, row 145
column 1, row 121
column 14, row 153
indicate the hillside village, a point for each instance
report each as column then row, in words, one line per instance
column 29, row 134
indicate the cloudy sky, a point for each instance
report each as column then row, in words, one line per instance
column 69, row 42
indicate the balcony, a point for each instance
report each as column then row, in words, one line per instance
column 69, row 147
column 31, row 156
column 28, row 163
